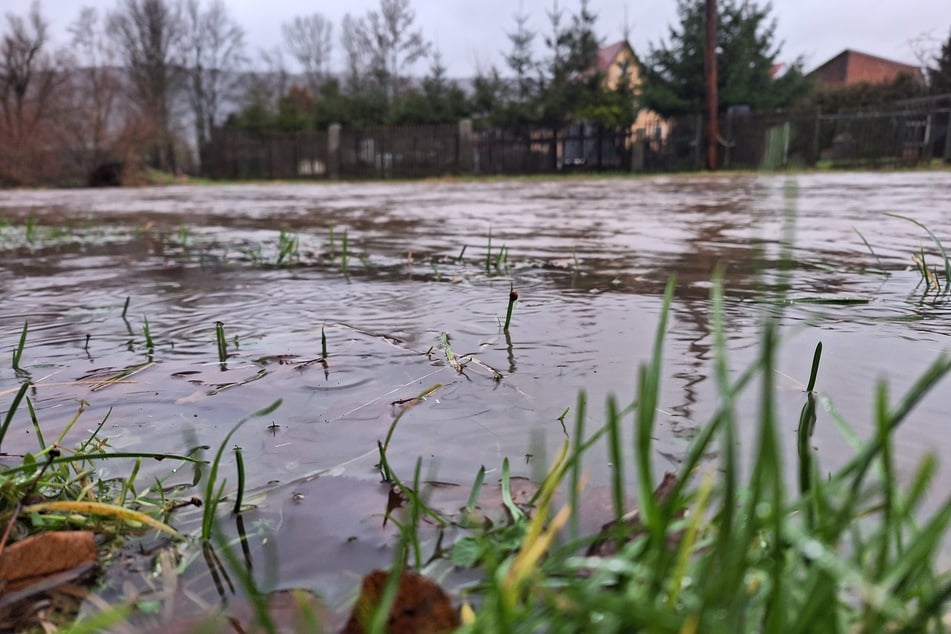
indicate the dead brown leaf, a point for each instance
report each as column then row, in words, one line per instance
column 37, row 556
column 421, row 606
column 629, row 526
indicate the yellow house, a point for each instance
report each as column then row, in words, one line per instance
column 616, row 59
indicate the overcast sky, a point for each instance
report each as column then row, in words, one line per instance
column 472, row 34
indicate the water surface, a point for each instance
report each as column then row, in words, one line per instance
column 590, row 259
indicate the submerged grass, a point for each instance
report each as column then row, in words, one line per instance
column 513, row 297
column 937, row 242
column 215, row 489
column 59, row 487
column 221, row 341
column 18, row 352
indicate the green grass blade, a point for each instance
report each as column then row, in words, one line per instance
column 881, row 267
column 574, row 479
column 507, row 501
column 239, row 495
column 617, row 462
column 11, row 411
column 649, row 386
column 212, row 500
column 944, row 255
column 513, row 297
column 473, row 499
column 18, row 352
column 222, row 343
column 36, row 425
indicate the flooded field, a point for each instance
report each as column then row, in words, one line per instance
column 122, row 291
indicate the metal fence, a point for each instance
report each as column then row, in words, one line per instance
column 543, row 150
column 240, row 155
column 400, row 152
column 415, row 152
column 906, row 134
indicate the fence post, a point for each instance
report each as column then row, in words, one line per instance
column 464, row 153
column 333, row 151
column 638, row 147
column 815, row 138
column 947, row 136
column 698, row 143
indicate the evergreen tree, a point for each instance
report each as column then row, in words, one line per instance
column 746, row 56
column 573, row 83
column 939, row 77
column 439, row 99
column 521, row 59
column 488, row 94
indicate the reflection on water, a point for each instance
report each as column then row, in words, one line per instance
column 590, row 258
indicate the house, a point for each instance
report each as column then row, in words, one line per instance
column 853, row 67
column 614, row 61
column 587, row 143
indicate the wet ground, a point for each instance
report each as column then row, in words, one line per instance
column 385, row 270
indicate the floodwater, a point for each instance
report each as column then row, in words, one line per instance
column 385, row 270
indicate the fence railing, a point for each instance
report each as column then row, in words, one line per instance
column 898, row 136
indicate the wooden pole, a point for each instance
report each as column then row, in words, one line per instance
column 710, row 73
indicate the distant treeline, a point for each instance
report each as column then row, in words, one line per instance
column 147, row 83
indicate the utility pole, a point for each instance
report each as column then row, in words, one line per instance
column 710, row 75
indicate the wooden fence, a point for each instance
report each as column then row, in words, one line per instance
column 907, row 134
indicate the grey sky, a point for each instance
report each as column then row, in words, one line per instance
column 472, row 34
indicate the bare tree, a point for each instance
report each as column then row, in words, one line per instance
column 354, row 45
column 264, row 87
column 391, row 41
column 923, row 47
column 94, row 121
column 214, row 54
column 28, row 78
column 147, row 35
column 308, row 39
column 21, row 47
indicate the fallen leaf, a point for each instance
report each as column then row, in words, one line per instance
column 45, row 554
column 421, row 606
column 630, row 525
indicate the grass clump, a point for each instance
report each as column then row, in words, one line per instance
column 59, row 487
column 719, row 548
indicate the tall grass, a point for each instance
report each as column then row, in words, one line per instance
column 288, row 248
column 725, row 549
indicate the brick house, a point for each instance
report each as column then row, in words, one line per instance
column 852, row 67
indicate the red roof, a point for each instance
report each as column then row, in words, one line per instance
column 852, row 67
column 608, row 55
